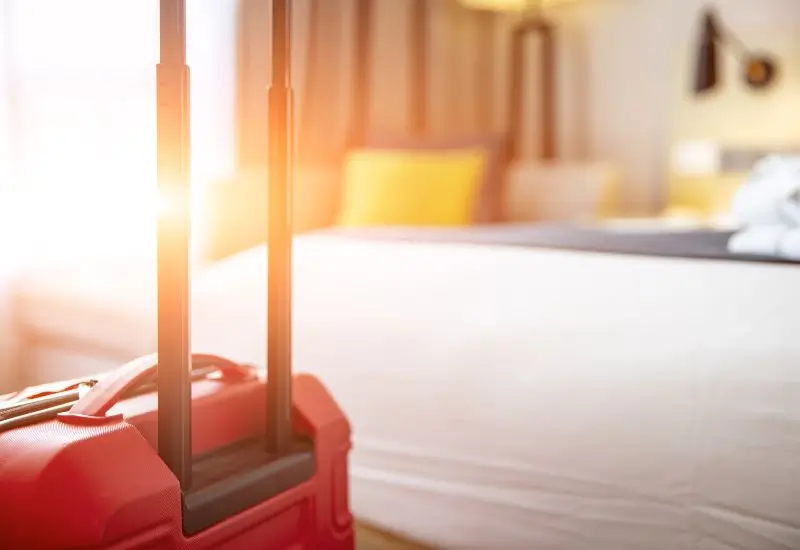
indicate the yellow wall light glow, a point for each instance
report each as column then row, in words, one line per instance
column 511, row 5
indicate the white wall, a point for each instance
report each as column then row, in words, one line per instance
column 734, row 114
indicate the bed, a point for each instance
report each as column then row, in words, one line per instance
column 509, row 387
column 509, row 397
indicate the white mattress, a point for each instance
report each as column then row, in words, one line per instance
column 520, row 398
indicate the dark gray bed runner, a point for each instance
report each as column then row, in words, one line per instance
column 699, row 244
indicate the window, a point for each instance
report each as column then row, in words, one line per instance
column 80, row 86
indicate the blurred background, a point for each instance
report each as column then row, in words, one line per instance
column 491, row 117
column 77, row 116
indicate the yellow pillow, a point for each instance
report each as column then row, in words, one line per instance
column 421, row 188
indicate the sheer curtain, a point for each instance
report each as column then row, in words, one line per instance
column 7, row 272
column 5, row 158
column 81, row 89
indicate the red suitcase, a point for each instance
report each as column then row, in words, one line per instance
column 187, row 451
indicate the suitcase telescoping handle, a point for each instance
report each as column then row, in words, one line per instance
column 174, row 352
column 173, row 144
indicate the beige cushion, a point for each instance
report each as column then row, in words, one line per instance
column 561, row 191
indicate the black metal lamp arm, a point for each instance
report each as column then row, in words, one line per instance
column 759, row 69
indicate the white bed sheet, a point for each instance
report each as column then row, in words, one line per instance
column 519, row 398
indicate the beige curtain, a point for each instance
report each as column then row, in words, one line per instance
column 317, row 74
column 322, row 66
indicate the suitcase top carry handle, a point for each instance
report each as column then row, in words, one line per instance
column 119, row 383
column 174, row 350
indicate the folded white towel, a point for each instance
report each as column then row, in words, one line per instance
column 767, row 240
column 771, row 194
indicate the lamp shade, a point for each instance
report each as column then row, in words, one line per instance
column 705, row 77
column 510, row 5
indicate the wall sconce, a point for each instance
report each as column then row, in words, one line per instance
column 758, row 70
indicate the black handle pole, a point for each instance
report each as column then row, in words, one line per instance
column 174, row 362
column 279, row 237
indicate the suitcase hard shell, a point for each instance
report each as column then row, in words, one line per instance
column 95, row 481
column 179, row 451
